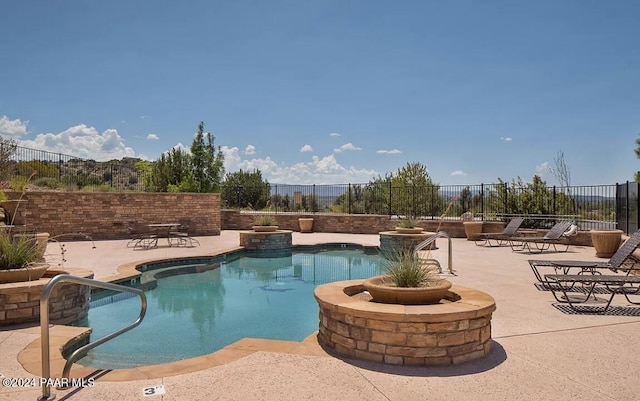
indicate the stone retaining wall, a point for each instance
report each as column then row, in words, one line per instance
column 104, row 215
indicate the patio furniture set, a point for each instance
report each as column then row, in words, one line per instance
column 584, row 286
column 145, row 236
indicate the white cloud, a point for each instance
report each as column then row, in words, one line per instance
column 389, row 152
column 306, row 148
column 334, row 134
column 506, row 138
column 458, row 173
column 83, row 141
column 543, row 168
column 250, row 150
column 320, row 170
column 347, row 147
column 13, row 128
column 152, row 137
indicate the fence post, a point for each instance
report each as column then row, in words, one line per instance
column 390, row 188
column 482, row 199
column 506, row 198
column 554, row 200
column 349, row 198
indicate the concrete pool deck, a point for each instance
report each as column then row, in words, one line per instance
column 539, row 353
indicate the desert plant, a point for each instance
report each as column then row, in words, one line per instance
column 407, row 223
column 264, row 220
column 406, row 269
column 17, row 252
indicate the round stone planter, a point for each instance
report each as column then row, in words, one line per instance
column 606, row 242
column 454, row 331
column 381, row 290
column 392, row 241
column 306, row 224
column 32, row 273
column 266, row 241
column 20, row 301
column 472, row 229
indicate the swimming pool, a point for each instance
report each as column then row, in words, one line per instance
column 198, row 307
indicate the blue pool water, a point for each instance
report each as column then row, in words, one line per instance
column 193, row 313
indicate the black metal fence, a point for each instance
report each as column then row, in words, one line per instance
column 592, row 206
column 62, row 171
column 596, row 206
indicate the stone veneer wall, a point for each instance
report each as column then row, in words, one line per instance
column 340, row 223
column 104, row 215
column 20, row 302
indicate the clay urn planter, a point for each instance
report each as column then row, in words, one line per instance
column 606, row 242
column 472, row 229
column 306, row 224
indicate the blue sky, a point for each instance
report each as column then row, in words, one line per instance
column 332, row 91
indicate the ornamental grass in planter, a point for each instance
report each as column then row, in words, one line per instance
column 408, row 281
column 265, row 223
column 21, row 255
column 408, row 226
column 20, row 259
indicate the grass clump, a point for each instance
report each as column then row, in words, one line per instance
column 405, row 269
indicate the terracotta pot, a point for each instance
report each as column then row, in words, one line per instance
column 472, row 229
column 408, row 230
column 606, row 242
column 35, row 272
column 381, row 290
column 265, row 229
column 306, row 224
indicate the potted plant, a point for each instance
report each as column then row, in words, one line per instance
column 265, row 223
column 408, row 281
column 20, row 259
column 408, row 226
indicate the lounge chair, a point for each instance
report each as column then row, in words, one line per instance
column 555, row 236
column 502, row 238
column 574, row 289
column 622, row 259
column 181, row 236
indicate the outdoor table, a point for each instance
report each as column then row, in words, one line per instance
column 162, row 226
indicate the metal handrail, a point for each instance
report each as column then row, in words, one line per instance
column 428, row 241
column 44, row 325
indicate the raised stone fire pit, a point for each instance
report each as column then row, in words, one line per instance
column 454, row 331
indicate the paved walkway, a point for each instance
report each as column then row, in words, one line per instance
column 540, row 353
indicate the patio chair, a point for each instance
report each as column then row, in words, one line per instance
column 140, row 237
column 622, row 259
column 574, row 289
column 502, row 238
column 181, row 236
column 555, row 236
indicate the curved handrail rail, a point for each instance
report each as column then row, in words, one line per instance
column 44, row 325
column 429, row 240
